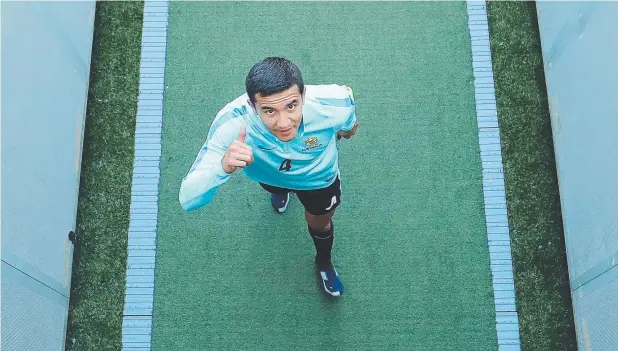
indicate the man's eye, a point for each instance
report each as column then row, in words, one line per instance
column 291, row 106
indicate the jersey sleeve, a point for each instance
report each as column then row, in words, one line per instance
column 343, row 99
column 199, row 186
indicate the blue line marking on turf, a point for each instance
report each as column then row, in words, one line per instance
column 498, row 240
column 139, row 295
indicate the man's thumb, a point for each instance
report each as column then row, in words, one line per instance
column 243, row 134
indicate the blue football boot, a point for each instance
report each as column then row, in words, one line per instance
column 280, row 202
column 330, row 280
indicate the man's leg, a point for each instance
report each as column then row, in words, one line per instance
column 322, row 232
column 320, row 207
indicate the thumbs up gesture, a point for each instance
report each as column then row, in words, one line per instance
column 238, row 154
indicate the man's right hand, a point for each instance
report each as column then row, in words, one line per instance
column 238, row 154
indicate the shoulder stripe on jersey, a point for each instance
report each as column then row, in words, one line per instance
column 345, row 102
column 237, row 112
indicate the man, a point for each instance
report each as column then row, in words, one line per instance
column 282, row 134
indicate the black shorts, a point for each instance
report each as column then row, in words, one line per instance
column 318, row 201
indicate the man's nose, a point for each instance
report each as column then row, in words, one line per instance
column 284, row 120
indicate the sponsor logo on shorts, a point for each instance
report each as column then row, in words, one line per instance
column 333, row 202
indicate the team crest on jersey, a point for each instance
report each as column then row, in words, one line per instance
column 312, row 143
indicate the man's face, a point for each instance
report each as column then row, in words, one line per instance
column 281, row 112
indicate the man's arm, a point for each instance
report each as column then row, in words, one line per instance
column 350, row 124
column 199, row 186
column 218, row 159
column 348, row 133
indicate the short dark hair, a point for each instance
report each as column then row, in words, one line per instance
column 272, row 75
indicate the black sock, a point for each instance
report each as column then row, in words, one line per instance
column 323, row 241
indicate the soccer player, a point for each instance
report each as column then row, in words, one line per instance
column 282, row 134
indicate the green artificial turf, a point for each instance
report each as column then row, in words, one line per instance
column 410, row 236
column 98, row 281
column 541, row 276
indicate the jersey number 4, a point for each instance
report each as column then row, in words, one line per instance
column 285, row 165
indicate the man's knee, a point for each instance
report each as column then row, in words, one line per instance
column 319, row 222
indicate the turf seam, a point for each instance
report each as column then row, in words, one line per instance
column 494, row 194
column 139, row 295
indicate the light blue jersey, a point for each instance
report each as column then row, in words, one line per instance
column 309, row 161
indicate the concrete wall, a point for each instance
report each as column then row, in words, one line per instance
column 45, row 55
column 580, row 53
